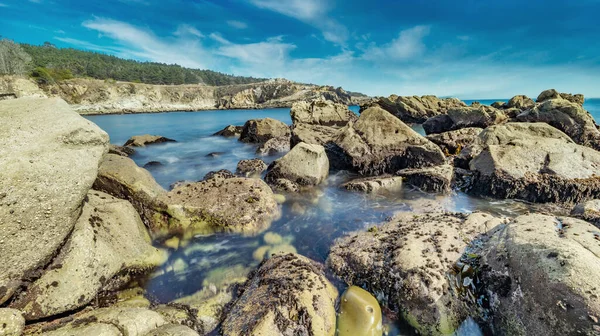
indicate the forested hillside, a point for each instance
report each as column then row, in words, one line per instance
column 48, row 63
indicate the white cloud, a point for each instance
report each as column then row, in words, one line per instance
column 237, row 24
column 408, row 45
column 271, row 52
column 185, row 29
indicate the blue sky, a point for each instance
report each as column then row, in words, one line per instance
column 468, row 49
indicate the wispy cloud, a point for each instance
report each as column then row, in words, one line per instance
column 187, row 30
column 237, row 24
column 271, row 52
column 3, row 4
column 408, row 45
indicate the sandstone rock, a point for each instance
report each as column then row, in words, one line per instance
column 534, row 162
column 374, row 184
column 453, row 142
column 589, row 211
column 540, row 276
column 311, row 134
column 236, row 204
column 274, row 146
column 429, row 179
column 120, row 177
column 49, row 159
column 288, row 295
column 146, row 139
column 321, row 112
column 11, row 322
column 108, row 239
column 499, row 105
column 172, row 330
column 553, row 94
column 521, row 102
column 414, row 109
column 360, row 314
column 568, row 117
column 253, row 167
column 230, row 131
column 120, row 150
column 380, row 143
column 306, row 165
column 261, row 130
column 405, row 261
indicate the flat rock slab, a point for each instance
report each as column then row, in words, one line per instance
column 374, row 184
column 49, row 158
column 146, row 139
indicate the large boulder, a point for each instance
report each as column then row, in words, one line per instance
column 534, row 162
column 321, row 112
column 414, row 109
column 569, row 117
column 312, row 134
column 287, row 295
column 274, row 146
column 49, row 158
column 230, row 131
column 520, row 102
column 453, row 142
column 539, row 275
column 218, row 204
column 122, row 178
column 380, row 143
column 146, row 139
column 261, row 130
column 306, row 165
column 436, row 179
column 108, row 239
column 249, row 168
column 480, row 116
column 553, row 94
column 404, row 263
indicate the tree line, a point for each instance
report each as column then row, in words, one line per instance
column 47, row 64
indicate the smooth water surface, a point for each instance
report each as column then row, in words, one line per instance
column 310, row 221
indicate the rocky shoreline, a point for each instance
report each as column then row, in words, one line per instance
column 78, row 218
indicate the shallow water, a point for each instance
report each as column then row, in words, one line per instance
column 309, row 224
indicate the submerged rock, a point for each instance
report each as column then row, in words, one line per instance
column 374, row 184
column 321, row 112
column 287, row 295
column 11, row 322
column 108, row 239
column 274, row 146
column 249, row 168
column 261, row 130
column 49, row 159
column 360, row 314
column 429, row 179
column 230, row 131
column 146, row 139
column 305, row 165
column 414, row 109
column 380, row 143
column 405, row 261
column 453, row 142
column 312, row 134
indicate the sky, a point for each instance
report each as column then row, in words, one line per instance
column 470, row 49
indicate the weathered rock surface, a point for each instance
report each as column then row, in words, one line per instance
column 553, row 94
column 520, row 102
column 261, row 130
column 589, row 211
column 568, row 117
column 287, row 295
column 109, row 238
column 438, row 124
column 312, row 134
column 534, row 162
column 414, row 109
column 230, row 131
column 244, row 205
column 380, row 143
column 120, row 150
column 540, row 277
column 172, row 330
column 274, row 146
column 120, row 177
column 49, row 159
column 404, row 263
column 305, row 165
column 11, row 322
column 453, row 142
column 249, row 168
column 429, row 179
column 374, row 184
column 480, row 116
column 146, row 139
column 321, row 112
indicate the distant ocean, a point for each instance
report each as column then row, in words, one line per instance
column 592, row 105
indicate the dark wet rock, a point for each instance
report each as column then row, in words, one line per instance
column 251, row 167
column 285, row 185
column 405, row 261
column 12, row 322
column 499, row 105
column 274, row 146
column 230, row 131
column 453, row 142
column 152, row 164
column 553, row 94
column 49, row 159
column 374, row 184
column 429, row 179
column 108, row 239
column 261, row 130
column 538, row 275
column 414, row 109
column 305, row 165
column 589, row 211
column 287, row 295
column 533, row 162
column 120, row 177
column 214, row 154
column 219, row 174
column 521, row 102
column 571, row 118
column 380, row 143
column 321, row 112
column 121, row 150
column 146, row 139
column 438, row 124
column 312, row 134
